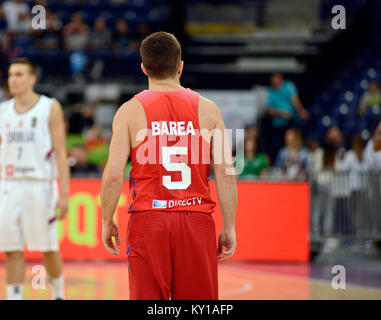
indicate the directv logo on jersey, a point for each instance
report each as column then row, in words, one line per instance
column 161, row 204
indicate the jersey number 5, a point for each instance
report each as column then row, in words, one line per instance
column 185, row 182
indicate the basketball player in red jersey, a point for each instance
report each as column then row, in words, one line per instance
column 172, row 134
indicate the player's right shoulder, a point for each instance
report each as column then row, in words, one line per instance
column 209, row 108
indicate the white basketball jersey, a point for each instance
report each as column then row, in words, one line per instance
column 26, row 146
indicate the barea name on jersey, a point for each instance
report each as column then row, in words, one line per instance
column 176, row 128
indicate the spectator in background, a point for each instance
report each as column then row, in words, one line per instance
column 370, row 97
column 7, row 52
column 80, row 122
column 90, row 129
column 372, row 157
column 50, row 38
column 293, row 159
column 134, row 45
column 356, row 168
column 335, row 136
column 285, row 109
column 325, row 201
column 76, row 33
column 3, row 23
column 121, row 38
column 143, row 31
column 100, row 37
column 17, row 14
column 87, row 148
column 314, row 150
column 354, row 159
column 372, row 154
column 4, row 94
column 332, row 153
column 79, row 166
column 255, row 163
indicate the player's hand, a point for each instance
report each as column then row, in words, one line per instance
column 110, row 230
column 63, row 206
column 226, row 239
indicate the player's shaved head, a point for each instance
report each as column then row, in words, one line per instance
column 161, row 54
column 27, row 62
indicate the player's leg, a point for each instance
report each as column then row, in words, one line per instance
column 11, row 237
column 15, row 270
column 53, row 265
column 195, row 257
column 149, row 256
column 41, row 233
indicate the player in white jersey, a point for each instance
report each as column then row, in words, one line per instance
column 32, row 138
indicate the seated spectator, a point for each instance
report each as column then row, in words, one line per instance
column 53, row 20
column 100, row 37
column 3, row 22
column 17, row 14
column 51, row 37
column 121, row 38
column 143, row 31
column 80, row 122
column 370, row 97
column 134, row 45
column 255, row 163
column 4, row 94
column 79, row 166
column 76, row 33
column 293, row 160
column 7, row 52
column 285, row 109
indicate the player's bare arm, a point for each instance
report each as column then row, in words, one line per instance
column 225, row 180
column 57, row 128
column 113, row 175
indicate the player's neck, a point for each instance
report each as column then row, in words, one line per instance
column 170, row 84
column 26, row 100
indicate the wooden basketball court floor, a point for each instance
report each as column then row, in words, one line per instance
column 246, row 281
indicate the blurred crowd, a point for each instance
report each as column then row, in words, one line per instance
column 298, row 159
column 73, row 36
column 87, row 143
column 278, row 148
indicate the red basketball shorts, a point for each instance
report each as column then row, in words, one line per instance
column 172, row 255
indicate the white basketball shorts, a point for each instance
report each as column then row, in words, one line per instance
column 26, row 211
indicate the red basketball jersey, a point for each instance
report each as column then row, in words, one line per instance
column 171, row 166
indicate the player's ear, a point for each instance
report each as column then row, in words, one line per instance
column 180, row 68
column 144, row 69
column 34, row 80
